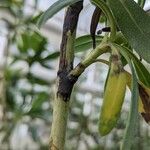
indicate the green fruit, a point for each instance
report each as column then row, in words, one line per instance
column 113, row 100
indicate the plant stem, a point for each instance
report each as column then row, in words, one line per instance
column 60, row 114
column 65, row 83
column 99, row 50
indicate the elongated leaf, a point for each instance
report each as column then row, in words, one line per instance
column 53, row 9
column 142, row 72
column 132, row 123
column 33, row 79
column 30, row 40
column 37, row 103
column 134, row 24
column 36, row 109
column 85, row 42
column 52, row 56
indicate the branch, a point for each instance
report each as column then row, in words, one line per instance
column 79, row 69
column 69, row 33
column 67, row 50
column 65, row 84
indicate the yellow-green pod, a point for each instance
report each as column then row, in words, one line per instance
column 112, row 103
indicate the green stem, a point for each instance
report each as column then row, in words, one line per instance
column 58, row 130
column 102, row 61
column 102, row 5
column 99, row 50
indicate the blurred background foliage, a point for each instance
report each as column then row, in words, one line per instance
column 26, row 97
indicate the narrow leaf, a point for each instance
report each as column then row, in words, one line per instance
column 132, row 123
column 85, row 42
column 134, row 24
column 142, row 72
column 53, row 9
column 51, row 56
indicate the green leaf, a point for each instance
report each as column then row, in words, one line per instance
column 53, row 9
column 35, row 19
column 134, row 24
column 36, row 109
column 35, row 80
column 37, row 103
column 141, row 3
column 30, row 40
column 132, row 123
column 51, row 56
column 85, row 42
column 142, row 72
column 45, row 65
column 120, row 39
column 10, row 99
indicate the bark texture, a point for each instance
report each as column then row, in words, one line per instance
column 65, row 81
